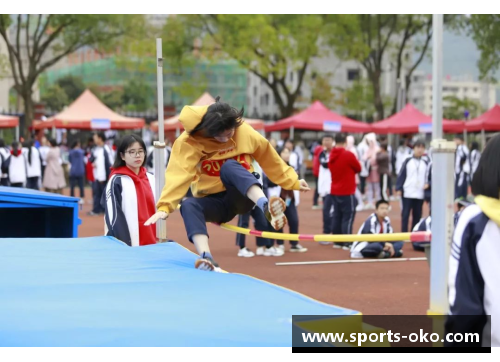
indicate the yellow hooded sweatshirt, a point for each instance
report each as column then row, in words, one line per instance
column 196, row 161
column 490, row 207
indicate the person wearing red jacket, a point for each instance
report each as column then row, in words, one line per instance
column 343, row 166
column 316, row 165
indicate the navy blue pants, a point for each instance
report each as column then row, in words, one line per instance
column 32, row 183
column 260, row 223
column 316, row 194
column 344, row 211
column 76, row 180
column 327, row 214
column 98, row 189
column 461, row 190
column 372, row 250
column 293, row 222
column 415, row 207
column 223, row 206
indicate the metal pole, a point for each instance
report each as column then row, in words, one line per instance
column 437, row 76
column 483, row 138
column 443, row 153
column 17, row 133
column 292, row 132
column 159, row 146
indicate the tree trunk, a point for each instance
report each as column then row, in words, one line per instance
column 377, row 96
column 29, row 111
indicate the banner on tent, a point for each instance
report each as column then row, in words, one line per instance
column 425, row 128
column 100, row 123
column 332, row 126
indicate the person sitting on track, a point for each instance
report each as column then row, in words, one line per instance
column 423, row 225
column 214, row 156
column 377, row 223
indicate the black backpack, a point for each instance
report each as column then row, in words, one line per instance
column 5, row 164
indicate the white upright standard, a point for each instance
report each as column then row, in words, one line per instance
column 443, row 154
column 159, row 146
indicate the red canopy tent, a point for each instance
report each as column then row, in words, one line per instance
column 488, row 121
column 411, row 120
column 88, row 112
column 8, row 121
column 173, row 124
column 319, row 118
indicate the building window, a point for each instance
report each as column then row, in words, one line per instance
column 475, row 90
column 352, row 74
column 291, row 76
column 254, row 90
column 267, row 99
column 314, row 75
column 415, row 100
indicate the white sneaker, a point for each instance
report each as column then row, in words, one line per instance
column 369, row 206
column 298, row 249
column 260, row 251
column 281, row 247
column 272, row 251
column 245, row 253
column 360, row 208
column 275, row 212
column 392, row 198
column 81, row 202
column 325, row 242
column 346, row 248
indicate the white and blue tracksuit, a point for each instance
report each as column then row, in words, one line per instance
column 475, row 156
column 474, row 276
column 372, row 225
column 462, row 171
column 412, row 178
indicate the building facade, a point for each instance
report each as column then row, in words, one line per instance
column 461, row 87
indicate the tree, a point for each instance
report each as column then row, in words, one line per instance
column 366, row 40
column 375, row 40
column 137, row 95
column 113, row 98
column 357, row 100
column 72, row 86
column 321, row 90
column 37, row 42
column 55, row 98
column 454, row 108
column 270, row 46
column 485, row 30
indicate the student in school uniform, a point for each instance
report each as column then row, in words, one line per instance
column 377, row 223
column 411, row 185
column 34, row 165
column 18, row 176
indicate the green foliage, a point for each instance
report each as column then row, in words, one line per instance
column 485, row 30
column 358, row 100
column 113, row 99
column 271, row 46
column 55, row 98
column 137, row 95
column 46, row 39
column 454, row 108
column 72, row 86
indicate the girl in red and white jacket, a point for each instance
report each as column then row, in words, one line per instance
column 18, row 166
column 129, row 199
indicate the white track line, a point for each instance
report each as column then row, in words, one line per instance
column 350, row 261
